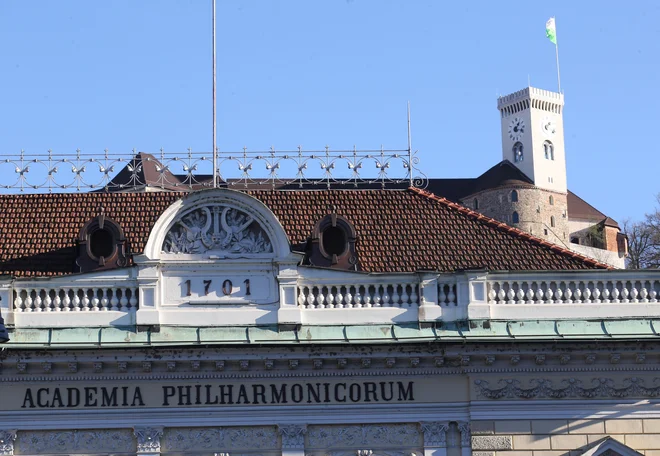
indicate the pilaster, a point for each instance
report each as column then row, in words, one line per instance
column 435, row 437
column 148, row 279
column 464, row 430
column 293, row 439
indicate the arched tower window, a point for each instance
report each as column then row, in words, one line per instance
column 515, row 218
column 552, row 221
column 551, row 200
column 549, row 150
column 514, row 196
column 518, row 152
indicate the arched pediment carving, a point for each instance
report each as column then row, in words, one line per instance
column 216, row 224
column 218, row 229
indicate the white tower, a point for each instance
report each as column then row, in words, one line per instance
column 533, row 135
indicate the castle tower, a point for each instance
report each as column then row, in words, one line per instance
column 533, row 136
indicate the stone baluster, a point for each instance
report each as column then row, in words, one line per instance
column 386, row 295
column 377, row 300
column 367, row 295
column 19, row 305
column 47, row 301
column 38, row 302
column 57, row 301
column 405, row 296
column 339, row 298
column 95, row 302
column 358, row 296
column 625, row 292
column 414, row 297
column 653, row 294
column 114, row 302
column 310, row 298
column 84, row 299
column 105, row 299
column 148, row 440
column 66, row 300
column 596, row 292
column 442, row 296
column 643, row 292
column 559, row 293
column 330, row 298
column 133, row 301
column 320, row 298
column 606, row 293
column 435, row 438
column 348, row 297
column 28, row 301
column 123, row 301
column 520, row 294
column 397, row 298
column 501, row 294
column 634, row 292
column 301, row 297
column 539, row 293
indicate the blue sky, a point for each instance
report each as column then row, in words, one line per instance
column 126, row 74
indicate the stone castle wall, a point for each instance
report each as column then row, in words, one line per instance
column 533, row 207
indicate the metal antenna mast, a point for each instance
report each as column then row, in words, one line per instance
column 410, row 157
column 215, row 149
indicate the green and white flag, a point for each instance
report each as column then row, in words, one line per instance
column 551, row 30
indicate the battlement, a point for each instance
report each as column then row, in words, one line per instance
column 530, row 96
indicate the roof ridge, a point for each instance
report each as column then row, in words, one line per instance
column 507, row 228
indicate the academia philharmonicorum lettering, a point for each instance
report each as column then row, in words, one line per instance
column 220, row 394
column 317, row 321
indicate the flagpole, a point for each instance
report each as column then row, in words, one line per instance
column 557, row 56
column 215, row 151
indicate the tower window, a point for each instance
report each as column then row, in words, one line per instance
column 551, row 200
column 549, row 150
column 334, row 240
column 514, row 196
column 476, row 204
column 552, row 221
column 515, row 218
column 518, row 152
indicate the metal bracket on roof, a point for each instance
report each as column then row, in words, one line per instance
column 508, row 330
column 653, row 328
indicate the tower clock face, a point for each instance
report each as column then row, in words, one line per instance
column 548, row 127
column 516, row 129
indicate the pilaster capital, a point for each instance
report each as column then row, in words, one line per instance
column 148, row 439
column 7, row 438
column 293, row 435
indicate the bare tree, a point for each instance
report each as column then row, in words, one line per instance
column 644, row 241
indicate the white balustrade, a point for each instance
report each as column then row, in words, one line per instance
column 447, row 293
column 76, row 299
column 399, row 295
column 571, row 292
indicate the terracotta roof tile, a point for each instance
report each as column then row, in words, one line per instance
column 398, row 230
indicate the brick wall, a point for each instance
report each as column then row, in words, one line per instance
column 561, row 437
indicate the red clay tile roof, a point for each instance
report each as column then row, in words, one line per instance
column 398, row 230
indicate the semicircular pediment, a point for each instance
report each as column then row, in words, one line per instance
column 217, row 229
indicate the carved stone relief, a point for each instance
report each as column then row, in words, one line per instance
column 293, row 435
column 435, row 433
column 364, row 436
column 88, row 441
column 220, row 229
column 7, row 442
column 148, row 439
column 568, row 388
column 221, row 439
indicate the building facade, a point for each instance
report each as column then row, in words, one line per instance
column 327, row 322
